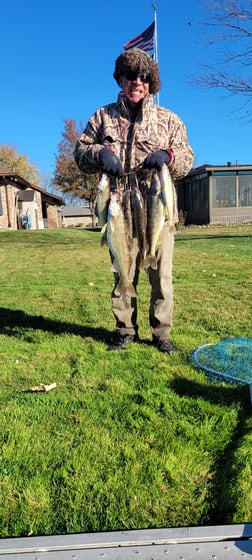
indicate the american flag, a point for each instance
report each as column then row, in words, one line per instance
column 144, row 41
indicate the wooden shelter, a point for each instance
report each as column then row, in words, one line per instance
column 212, row 194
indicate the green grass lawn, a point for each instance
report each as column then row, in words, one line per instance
column 127, row 440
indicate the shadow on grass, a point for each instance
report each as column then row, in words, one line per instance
column 211, row 236
column 222, row 495
column 11, row 320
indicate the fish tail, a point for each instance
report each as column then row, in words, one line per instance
column 141, row 263
column 122, row 290
column 150, row 260
column 118, row 290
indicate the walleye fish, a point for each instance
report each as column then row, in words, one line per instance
column 118, row 245
column 138, row 212
column 168, row 195
column 103, row 198
column 126, row 204
column 155, row 220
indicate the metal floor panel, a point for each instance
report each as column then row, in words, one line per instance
column 221, row 542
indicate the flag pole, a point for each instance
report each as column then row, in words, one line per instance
column 154, row 6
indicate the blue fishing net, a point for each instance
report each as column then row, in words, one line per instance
column 229, row 360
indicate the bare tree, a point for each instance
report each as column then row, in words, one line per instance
column 226, row 35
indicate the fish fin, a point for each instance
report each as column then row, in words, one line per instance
column 150, row 260
column 165, row 212
column 171, row 228
column 112, row 223
column 114, row 267
column 104, row 235
column 104, row 239
column 158, row 253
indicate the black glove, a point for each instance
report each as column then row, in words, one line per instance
column 156, row 160
column 110, row 163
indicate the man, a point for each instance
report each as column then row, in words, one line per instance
column 134, row 133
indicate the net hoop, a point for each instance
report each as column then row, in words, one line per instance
column 217, row 373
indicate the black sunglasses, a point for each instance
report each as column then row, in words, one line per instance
column 132, row 76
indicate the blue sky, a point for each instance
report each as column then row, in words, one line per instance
column 58, row 61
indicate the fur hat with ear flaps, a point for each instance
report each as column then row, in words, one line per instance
column 137, row 60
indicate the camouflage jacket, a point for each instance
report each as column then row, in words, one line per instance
column 154, row 128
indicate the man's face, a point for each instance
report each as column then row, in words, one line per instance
column 135, row 86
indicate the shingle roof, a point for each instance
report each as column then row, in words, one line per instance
column 76, row 211
column 16, row 177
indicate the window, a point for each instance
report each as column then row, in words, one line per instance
column 245, row 189
column 224, row 189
